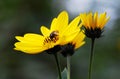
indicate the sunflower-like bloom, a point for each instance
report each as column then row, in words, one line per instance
column 60, row 33
column 77, row 42
column 94, row 24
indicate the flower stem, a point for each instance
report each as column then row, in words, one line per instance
column 58, row 66
column 91, row 58
column 68, row 66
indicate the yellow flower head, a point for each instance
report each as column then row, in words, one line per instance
column 94, row 23
column 60, row 33
column 77, row 42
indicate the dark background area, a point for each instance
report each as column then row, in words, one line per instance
column 18, row 17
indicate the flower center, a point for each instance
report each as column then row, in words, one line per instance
column 53, row 37
column 93, row 33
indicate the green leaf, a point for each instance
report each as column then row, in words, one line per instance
column 64, row 73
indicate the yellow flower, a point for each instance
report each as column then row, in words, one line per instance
column 93, row 23
column 77, row 42
column 60, row 33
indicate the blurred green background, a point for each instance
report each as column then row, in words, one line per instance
column 18, row 17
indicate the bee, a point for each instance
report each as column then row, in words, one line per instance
column 53, row 37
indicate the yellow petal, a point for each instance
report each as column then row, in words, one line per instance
column 45, row 31
column 31, row 39
column 80, row 36
column 72, row 27
column 86, row 21
column 95, row 18
column 104, row 22
column 79, row 45
column 101, row 19
column 53, row 24
column 28, row 48
column 31, row 50
column 74, row 24
column 60, row 22
column 19, row 38
column 27, row 45
column 83, row 19
column 68, row 38
column 78, row 40
column 94, row 21
column 90, row 20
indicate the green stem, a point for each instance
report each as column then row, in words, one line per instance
column 68, row 67
column 58, row 66
column 91, row 58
